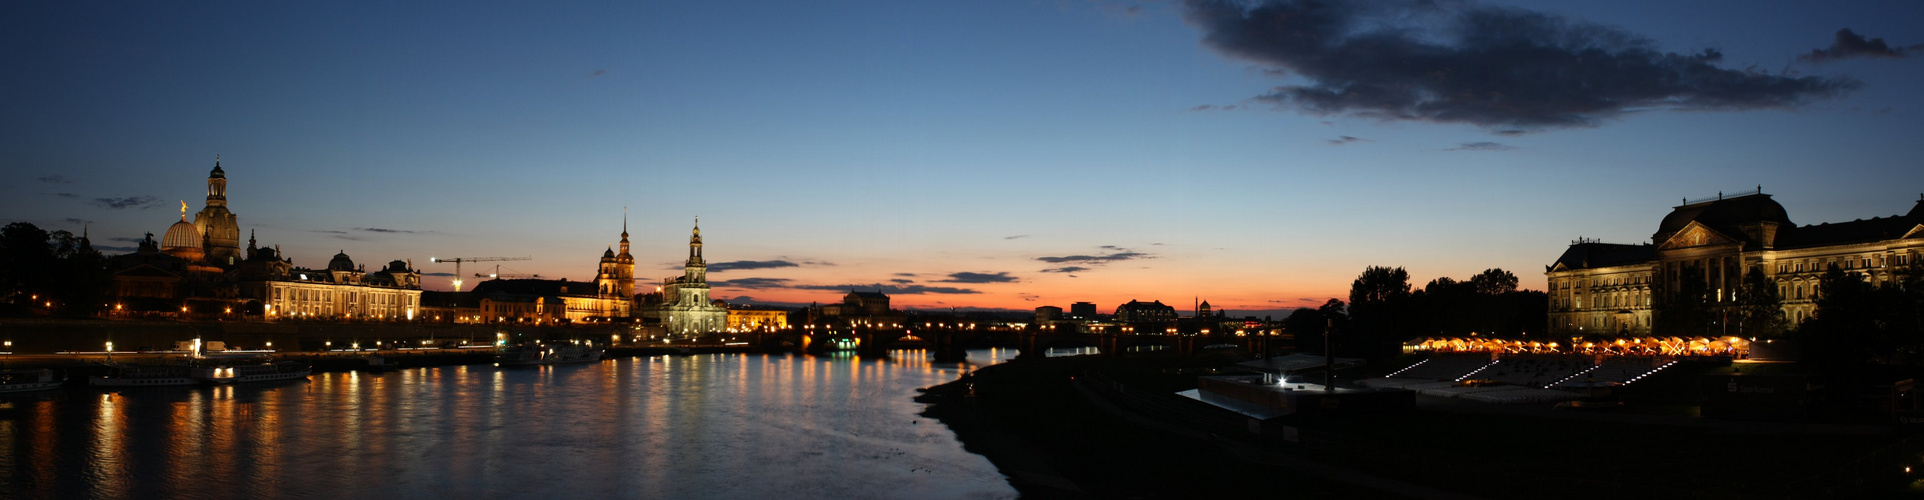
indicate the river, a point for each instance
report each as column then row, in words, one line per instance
column 704, row 426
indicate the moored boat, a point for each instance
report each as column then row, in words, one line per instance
column 28, row 380
column 132, row 375
column 539, row 353
column 243, row 373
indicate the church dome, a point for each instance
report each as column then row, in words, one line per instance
column 181, row 235
column 341, row 262
column 397, row 267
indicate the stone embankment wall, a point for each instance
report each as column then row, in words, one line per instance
column 42, row 336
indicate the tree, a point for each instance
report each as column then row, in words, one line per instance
column 1760, row 310
column 1308, row 325
column 1379, row 311
column 1493, row 282
column 26, row 263
column 1686, row 312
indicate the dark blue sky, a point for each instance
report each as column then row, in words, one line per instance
column 997, row 154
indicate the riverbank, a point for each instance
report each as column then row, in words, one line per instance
column 1096, row 427
column 1051, row 443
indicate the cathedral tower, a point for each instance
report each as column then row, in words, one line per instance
column 219, row 226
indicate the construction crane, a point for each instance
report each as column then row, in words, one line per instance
column 458, row 260
column 497, row 274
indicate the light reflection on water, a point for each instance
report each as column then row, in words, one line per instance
column 706, row 426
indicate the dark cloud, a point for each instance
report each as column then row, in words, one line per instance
column 55, row 179
column 1481, row 146
column 911, row 275
column 1850, row 45
column 1095, row 259
column 598, row 73
column 443, row 275
column 1344, row 140
column 1065, row 269
column 748, row 264
column 896, row 289
column 753, row 283
column 384, row 230
column 901, row 280
column 66, row 195
column 968, row 277
column 1212, row 107
column 77, row 222
column 126, row 202
column 1016, row 237
column 1497, row 67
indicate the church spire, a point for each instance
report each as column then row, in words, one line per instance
column 694, row 246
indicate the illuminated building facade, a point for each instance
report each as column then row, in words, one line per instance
column 219, row 227
column 1612, row 288
column 341, row 291
column 684, row 307
column 615, row 278
column 743, row 318
column 1145, row 312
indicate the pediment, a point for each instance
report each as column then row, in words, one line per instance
column 1696, row 235
column 1915, row 232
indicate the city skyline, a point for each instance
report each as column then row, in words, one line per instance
column 954, row 156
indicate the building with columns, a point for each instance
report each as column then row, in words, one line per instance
column 683, row 307
column 1613, row 288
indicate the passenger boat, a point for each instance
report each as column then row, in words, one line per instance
column 378, row 364
column 243, row 373
column 28, row 380
column 131, row 375
column 538, row 353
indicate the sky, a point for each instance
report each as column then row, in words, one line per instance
column 1003, row 154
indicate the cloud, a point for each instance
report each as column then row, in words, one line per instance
column 1016, row 237
column 1344, row 140
column 110, row 249
column 901, row 280
column 753, row 283
column 895, row 289
column 384, row 230
column 326, row 231
column 911, row 275
column 442, row 275
column 77, row 222
column 66, row 195
column 1211, row 107
column 1850, row 45
column 748, row 264
column 1481, row 146
column 1065, row 269
column 1502, row 68
column 968, row 277
column 1095, row 259
column 55, row 179
column 124, row 239
column 598, row 73
column 126, row 202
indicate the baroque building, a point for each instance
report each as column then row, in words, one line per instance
column 1612, row 288
column 343, row 290
column 219, row 227
column 684, row 307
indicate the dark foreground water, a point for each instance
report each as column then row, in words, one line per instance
column 709, row 426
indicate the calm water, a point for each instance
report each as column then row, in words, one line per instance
column 710, row 426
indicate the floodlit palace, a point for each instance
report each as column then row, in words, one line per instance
column 1610, row 288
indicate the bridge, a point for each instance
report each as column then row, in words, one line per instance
column 950, row 342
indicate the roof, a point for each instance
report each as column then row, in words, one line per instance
column 1724, row 215
column 1594, row 255
column 537, row 287
column 869, row 295
column 1843, row 233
